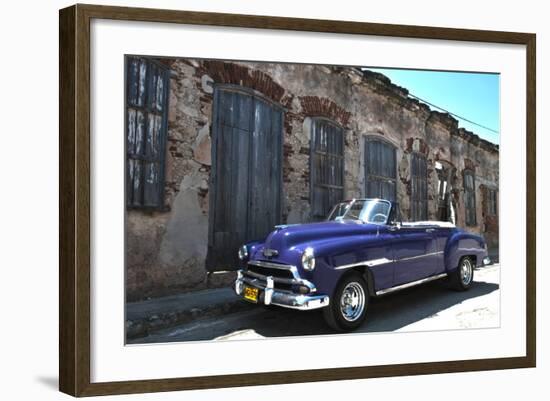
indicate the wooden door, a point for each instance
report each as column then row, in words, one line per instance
column 246, row 173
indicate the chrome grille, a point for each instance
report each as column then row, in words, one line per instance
column 285, row 277
column 270, row 271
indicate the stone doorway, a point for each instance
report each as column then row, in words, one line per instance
column 446, row 210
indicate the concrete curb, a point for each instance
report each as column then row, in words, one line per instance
column 146, row 317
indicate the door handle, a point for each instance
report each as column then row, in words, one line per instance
column 430, row 230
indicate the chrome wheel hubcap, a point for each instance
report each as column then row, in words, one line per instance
column 352, row 302
column 466, row 270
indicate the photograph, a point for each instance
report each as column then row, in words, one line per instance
column 270, row 199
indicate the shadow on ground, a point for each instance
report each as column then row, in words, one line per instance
column 387, row 313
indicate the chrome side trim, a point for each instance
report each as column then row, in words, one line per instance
column 411, row 284
column 381, row 261
column 420, row 256
column 369, row 263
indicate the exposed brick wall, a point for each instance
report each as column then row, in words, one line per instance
column 322, row 107
column 236, row 74
column 417, row 145
column 469, row 164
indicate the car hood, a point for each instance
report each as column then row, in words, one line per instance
column 285, row 237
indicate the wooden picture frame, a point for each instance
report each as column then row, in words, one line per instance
column 74, row 204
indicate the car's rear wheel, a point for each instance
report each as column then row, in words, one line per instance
column 348, row 306
column 461, row 279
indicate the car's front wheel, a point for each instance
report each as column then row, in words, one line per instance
column 348, row 306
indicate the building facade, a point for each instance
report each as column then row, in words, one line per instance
column 220, row 152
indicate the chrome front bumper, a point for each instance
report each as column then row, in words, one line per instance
column 271, row 296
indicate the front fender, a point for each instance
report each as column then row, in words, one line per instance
column 325, row 277
column 331, row 255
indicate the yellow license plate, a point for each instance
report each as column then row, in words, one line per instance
column 251, row 294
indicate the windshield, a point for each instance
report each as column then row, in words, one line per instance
column 374, row 211
column 338, row 211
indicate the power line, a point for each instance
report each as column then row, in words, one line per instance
column 453, row 114
column 442, row 109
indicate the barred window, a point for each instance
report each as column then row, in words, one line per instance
column 327, row 166
column 470, row 197
column 492, row 206
column 147, row 84
column 419, row 187
column 380, row 169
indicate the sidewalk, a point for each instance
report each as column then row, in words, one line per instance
column 145, row 317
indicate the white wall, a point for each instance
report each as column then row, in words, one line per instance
column 28, row 166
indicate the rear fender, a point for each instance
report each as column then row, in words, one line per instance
column 462, row 244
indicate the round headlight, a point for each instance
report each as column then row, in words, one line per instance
column 243, row 252
column 308, row 259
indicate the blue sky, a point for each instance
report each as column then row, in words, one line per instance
column 474, row 96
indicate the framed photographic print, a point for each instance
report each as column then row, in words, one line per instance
column 305, row 200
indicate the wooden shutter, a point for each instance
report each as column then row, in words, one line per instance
column 470, row 198
column 327, row 166
column 380, row 170
column 419, row 188
column 492, row 202
column 146, row 124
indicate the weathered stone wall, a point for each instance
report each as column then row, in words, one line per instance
column 166, row 250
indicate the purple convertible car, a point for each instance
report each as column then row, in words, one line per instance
column 363, row 250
